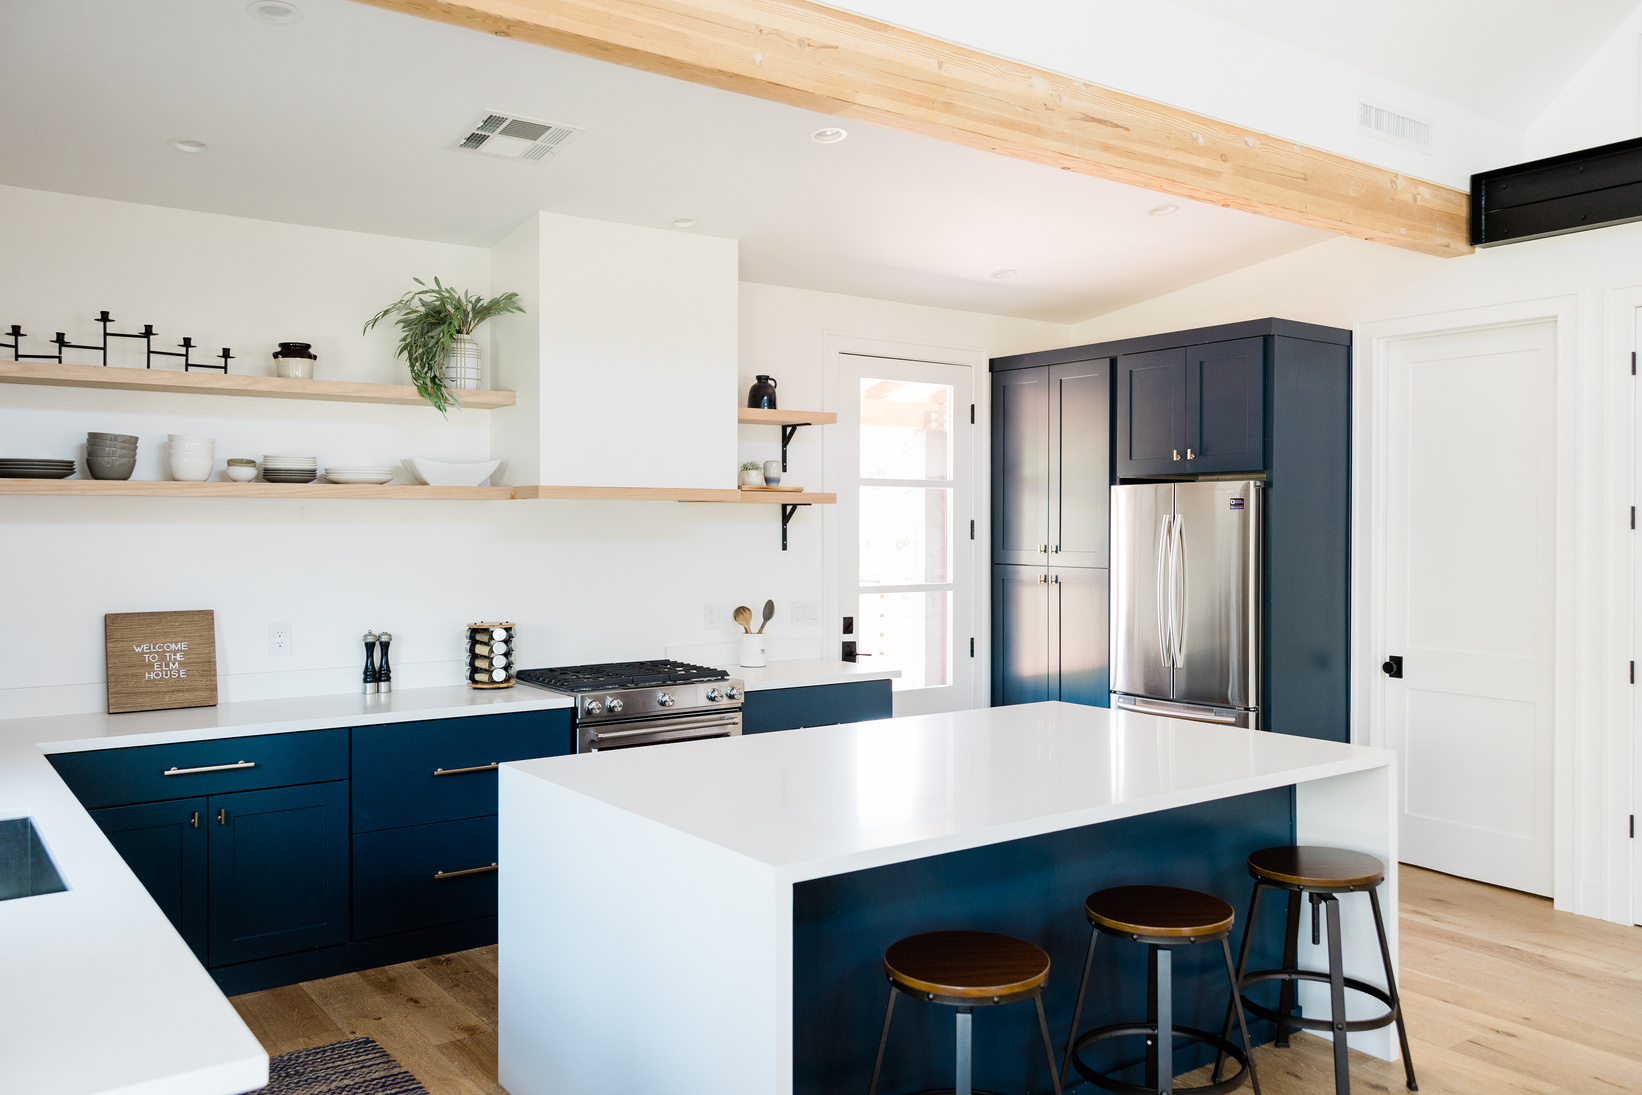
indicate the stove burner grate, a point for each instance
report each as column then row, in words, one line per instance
column 614, row 675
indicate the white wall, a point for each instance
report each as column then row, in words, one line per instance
column 585, row 581
column 1600, row 105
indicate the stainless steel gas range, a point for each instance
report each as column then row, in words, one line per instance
column 624, row 704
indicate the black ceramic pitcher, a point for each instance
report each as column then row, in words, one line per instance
column 762, row 394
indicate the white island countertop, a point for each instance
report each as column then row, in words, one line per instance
column 827, row 800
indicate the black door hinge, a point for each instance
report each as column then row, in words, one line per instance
column 1633, row 518
column 972, row 414
column 972, row 646
column 972, row 528
column 1633, row 672
column 1633, row 826
column 1633, row 362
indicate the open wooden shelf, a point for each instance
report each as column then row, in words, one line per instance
column 159, row 488
column 754, row 416
column 51, row 374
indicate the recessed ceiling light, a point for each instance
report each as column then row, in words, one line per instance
column 685, row 222
column 187, row 144
column 829, row 135
column 1162, row 210
column 274, row 12
column 1004, row 273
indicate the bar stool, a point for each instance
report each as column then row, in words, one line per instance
column 965, row 970
column 1321, row 874
column 1162, row 917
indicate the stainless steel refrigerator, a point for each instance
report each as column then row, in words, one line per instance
column 1186, row 626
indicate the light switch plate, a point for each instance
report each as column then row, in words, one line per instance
column 806, row 613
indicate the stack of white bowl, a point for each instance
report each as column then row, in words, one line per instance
column 374, row 474
column 290, row 469
column 191, row 457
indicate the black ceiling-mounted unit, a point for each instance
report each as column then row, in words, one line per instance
column 1590, row 189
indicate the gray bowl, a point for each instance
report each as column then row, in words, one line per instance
column 109, row 446
column 123, row 438
column 101, row 468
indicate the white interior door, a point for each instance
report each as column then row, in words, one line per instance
column 1469, row 472
column 905, row 501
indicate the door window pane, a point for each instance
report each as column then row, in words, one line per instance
column 911, row 632
column 906, row 430
column 906, row 535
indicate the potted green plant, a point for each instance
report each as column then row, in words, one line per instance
column 436, row 326
column 752, row 474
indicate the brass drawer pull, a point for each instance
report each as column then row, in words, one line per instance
column 437, row 875
column 491, row 767
column 209, row 768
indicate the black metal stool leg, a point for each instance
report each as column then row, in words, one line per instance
column 1164, row 1084
column 1237, row 980
column 1391, row 986
column 883, row 1040
column 1048, row 1046
column 1242, row 1022
column 1291, row 959
column 1337, row 998
column 1077, row 1012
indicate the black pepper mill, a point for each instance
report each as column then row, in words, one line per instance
column 384, row 672
column 370, row 664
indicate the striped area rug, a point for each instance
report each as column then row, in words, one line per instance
column 356, row 1067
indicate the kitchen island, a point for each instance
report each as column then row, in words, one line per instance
column 709, row 917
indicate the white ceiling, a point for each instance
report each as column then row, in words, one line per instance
column 345, row 120
column 1504, row 59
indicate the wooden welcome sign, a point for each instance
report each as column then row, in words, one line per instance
column 160, row 660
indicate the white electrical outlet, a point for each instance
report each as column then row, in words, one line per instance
column 279, row 639
column 806, row 613
column 712, row 617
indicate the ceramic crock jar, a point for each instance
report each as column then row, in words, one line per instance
column 762, row 394
column 294, row 360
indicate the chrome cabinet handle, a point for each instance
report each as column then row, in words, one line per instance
column 437, row 875
column 1190, row 455
column 222, row 817
column 1054, row 579
column 1042, row 578
column 491, row 767
column 174, row 771
column 1054, row 549
column 1176, row 453
column 195, row 820
column 1043, row 549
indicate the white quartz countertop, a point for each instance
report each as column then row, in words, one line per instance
column 805, row 672
column 823, row 801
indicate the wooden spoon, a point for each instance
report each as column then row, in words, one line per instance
column 744, row 617
column 769, row 611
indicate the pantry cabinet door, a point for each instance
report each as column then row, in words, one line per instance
column 1151, row 413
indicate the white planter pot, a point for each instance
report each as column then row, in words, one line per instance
column 752, row 478
column 463, row 364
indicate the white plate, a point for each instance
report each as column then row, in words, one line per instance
column 451, row 473
column 376, row 480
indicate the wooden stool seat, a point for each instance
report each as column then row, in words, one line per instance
column 966, row 965
column 1332, row 869
column 1158, row 912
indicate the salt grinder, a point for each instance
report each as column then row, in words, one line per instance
column 369, row 687
column 384, row 672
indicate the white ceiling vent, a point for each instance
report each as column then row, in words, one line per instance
column 1388, row 125
column 514, row 138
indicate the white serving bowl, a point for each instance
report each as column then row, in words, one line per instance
column 451, row 473
column 239, row 473
column 191, row 469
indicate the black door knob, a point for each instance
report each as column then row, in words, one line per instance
column 1393, row 665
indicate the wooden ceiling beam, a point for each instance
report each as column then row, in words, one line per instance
column 833, row 62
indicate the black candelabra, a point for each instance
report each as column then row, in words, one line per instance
column 185, row 347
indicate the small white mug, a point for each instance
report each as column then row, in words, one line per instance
column 752, row 651
column 772, row 473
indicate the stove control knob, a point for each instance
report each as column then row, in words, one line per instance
column 613, row 703
column 594, row 707
column 665, row 699
column 732, row 693
column 714, row 694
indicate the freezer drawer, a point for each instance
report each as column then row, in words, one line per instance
column 1169, row 709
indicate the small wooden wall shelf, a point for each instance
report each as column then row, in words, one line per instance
column 51, row 374
column 754, row 416
column 162, row 488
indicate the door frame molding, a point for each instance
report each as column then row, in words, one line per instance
column 1621, row 856
column 1591, row 706
column 834, row 398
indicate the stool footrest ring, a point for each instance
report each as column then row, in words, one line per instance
column 1304, row 1023
column 1181, row 1035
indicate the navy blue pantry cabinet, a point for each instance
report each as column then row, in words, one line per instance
column 1192, row 410
column 770, row 709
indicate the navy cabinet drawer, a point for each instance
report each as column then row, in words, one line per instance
column 115, row 777
column 393, row 766
column 820, row 705
column 411, row 878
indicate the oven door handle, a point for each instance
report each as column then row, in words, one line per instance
column 666, row 729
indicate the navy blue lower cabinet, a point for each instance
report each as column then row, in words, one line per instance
column 818, row 705
column 423, row 875
column 159, row 773
column 164, row 845
column 414, row 773
column 278, row 871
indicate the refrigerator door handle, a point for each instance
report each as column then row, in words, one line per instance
column 1177, row 578
column 1165, row 610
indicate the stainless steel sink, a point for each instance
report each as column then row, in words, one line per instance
column 26, row 870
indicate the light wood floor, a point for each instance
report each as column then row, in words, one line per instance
column 1503, row 996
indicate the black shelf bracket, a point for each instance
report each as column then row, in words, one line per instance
column 786, row 439
column 788, row 510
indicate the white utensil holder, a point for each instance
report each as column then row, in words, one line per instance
column 752, row 651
